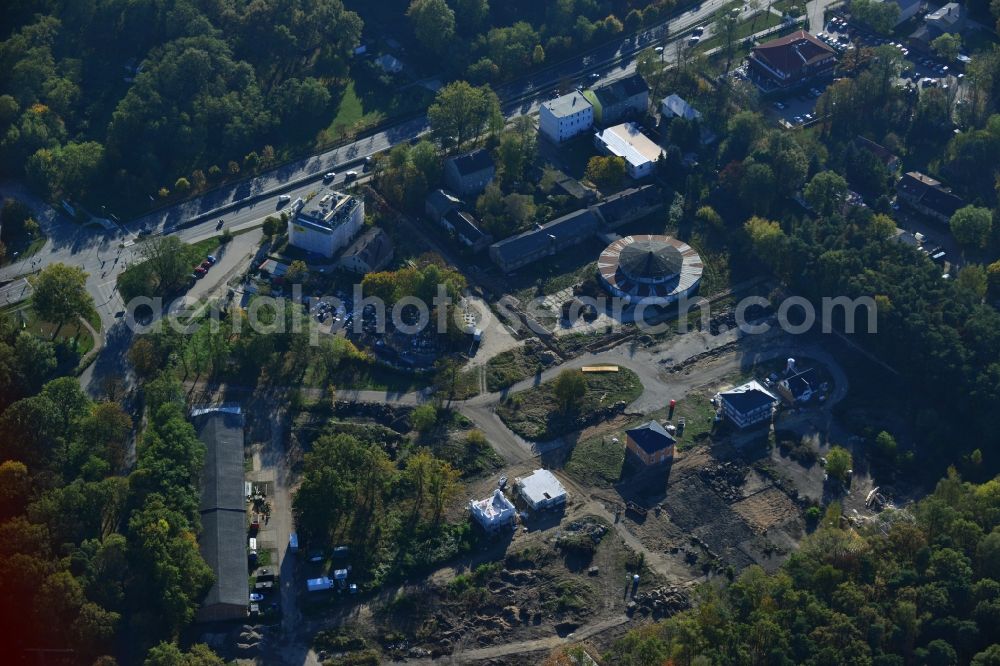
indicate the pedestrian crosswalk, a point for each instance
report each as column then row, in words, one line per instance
column 15, row 292
column 108, row 297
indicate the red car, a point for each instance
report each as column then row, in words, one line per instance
column 206, row 264
column 200, row 271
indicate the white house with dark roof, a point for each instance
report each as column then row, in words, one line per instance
column 748, row 405
column 564, row 117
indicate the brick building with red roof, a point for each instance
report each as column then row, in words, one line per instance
column 790, row 61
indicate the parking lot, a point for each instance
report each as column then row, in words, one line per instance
column 920, row 70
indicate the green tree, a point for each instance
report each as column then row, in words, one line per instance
column 569, row 388
column 297, row 272
column 516, row 149
column 470, row 15
column 971, row 227
column 947, row 46
column 825, row 193
column 433, row 23
column 66, row 171
column 885, row 445
column 881, row 16
column 59, row 294
column 168, row 654
column 14, row 486
column 424, row 418
column 168, row 261
column 838, row 461
column 605, row 171
column 461, row 113
column 972, row 279
column 272, row 225
column 993, row 279
column 757, row 187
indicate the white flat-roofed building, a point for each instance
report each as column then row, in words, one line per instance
column 494, row 512
column 564, row 117
column 327, row 222
column 541, row 490
column 628, row 142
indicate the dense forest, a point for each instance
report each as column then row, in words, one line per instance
column 90, row 552
column 151, row 99
column 916, row 586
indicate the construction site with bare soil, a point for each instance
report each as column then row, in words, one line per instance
column 607, row 542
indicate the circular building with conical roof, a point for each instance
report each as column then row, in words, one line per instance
column 653, row 270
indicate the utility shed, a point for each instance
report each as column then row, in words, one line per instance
column 541, row 490
column 223, row 516
column 494, row 512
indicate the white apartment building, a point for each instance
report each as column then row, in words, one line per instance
column 564, row 117
column 327, row 222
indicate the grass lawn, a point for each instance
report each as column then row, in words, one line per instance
column 350, row 118
column 597, row 461
column 138, row 279
column 509, row 367
column 470, row 460
column 562, row 270
column 73, row 334
column 372, row 377
column 370, row 98
column 467, row 384
column 764, row 20
column 534, row 414
column 25, row 248
column 717, row 274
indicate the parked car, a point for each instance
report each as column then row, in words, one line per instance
column 256, row 596
column 206, row 264
column 200, row 272
column 211, row 259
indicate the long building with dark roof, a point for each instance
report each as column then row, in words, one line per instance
column 563, row 232
column 223, row 536
column 530, row 246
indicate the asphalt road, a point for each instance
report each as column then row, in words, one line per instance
column 104, row 253
column 519, row 97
